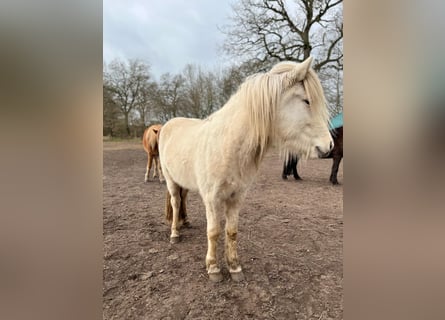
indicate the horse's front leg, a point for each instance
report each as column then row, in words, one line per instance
column 335, row 165
column 294, row 168
column 231, row 251
column 213, row 231
column 284, row 174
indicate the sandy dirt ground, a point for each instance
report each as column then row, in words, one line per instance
column 290, row 247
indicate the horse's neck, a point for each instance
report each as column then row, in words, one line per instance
column 242, row 148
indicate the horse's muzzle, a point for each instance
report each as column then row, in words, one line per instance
column 322, row 154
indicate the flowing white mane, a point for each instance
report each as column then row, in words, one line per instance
column 261, row 93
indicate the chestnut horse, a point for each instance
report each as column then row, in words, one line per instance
column 220, row 155
column 150, row 141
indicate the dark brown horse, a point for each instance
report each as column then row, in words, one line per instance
column 290, row 166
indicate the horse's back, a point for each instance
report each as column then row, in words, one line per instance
column 179, row 131
column 181, row 124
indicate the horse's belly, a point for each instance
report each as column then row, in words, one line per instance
column 178, row 151
column 183, row 174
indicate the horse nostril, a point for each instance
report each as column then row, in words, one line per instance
column 320, row 152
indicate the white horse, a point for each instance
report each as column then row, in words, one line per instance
column 219, row 156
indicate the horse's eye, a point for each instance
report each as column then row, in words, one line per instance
column 306, row 101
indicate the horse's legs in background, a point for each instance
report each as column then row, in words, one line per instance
column 159, row 169
column 155, row 167
column 175, row 201
column 149, row 162
column 294, row 167
column 231, row 252
column 290, row 166
column 335, row 165
column 285, row 172
column 287, row 167
column 213, row 208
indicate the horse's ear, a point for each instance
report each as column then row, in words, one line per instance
column 300, row 71
column 156, row 131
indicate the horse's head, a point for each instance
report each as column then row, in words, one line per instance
column 302, row 117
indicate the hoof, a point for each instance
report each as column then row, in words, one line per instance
column 174, row 240
column 284, row 177
column 237, row 276
column 215, row 277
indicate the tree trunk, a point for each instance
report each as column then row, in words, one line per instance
column 126, row 124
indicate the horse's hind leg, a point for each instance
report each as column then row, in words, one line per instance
column 149, row 162
column 175, row 202
column 213, row 231
column 183, row 208
column 182, row 215
column 231, row 251
column 155, row 169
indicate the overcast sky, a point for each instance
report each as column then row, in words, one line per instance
column 166, row 33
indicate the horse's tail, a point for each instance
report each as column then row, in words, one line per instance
column 145, row 140
column 169, row 208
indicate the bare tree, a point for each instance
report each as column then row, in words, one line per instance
column 169, row 98
column 212, row 92
column 194, row 84
column 204, row 91
column 111, row 113
column 232, row 76
column 269, row 31
column 147, row 103
column 126, row 83
column 332, row 80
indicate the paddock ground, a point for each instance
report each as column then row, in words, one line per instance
column 290, row 247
